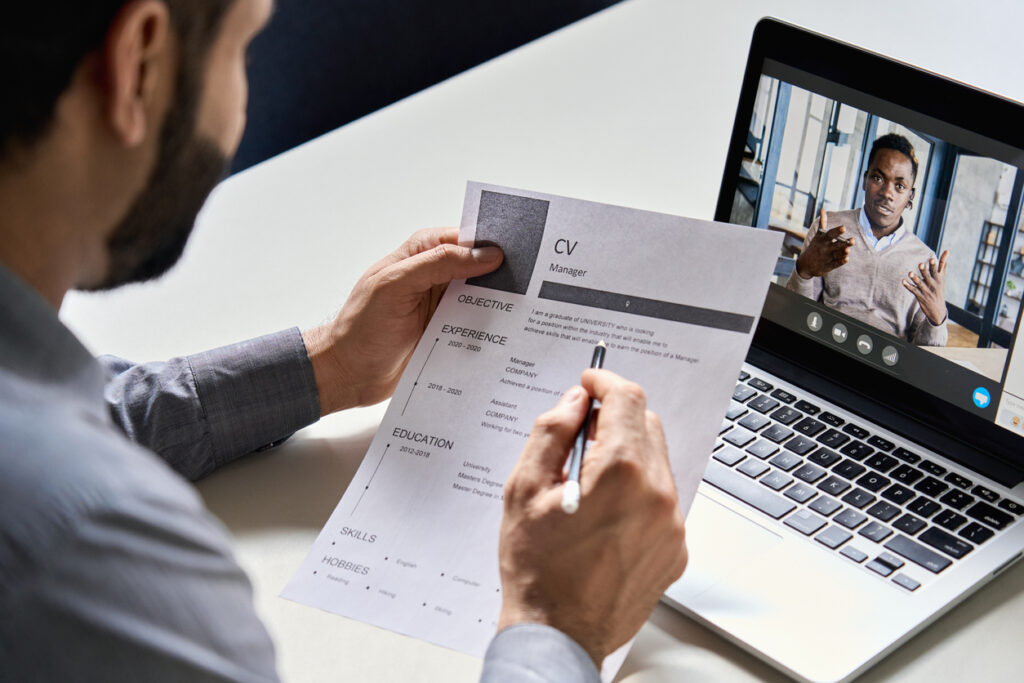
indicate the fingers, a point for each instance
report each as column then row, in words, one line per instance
column 835, row 233
column 439, row 265
column 623, row 403
column 823, row 221
column 942, row 261
column 550, row 440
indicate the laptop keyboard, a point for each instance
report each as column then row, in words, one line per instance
column 850, row 488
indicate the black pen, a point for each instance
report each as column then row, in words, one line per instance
column 571, row 492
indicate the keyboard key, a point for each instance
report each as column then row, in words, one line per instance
column 985, row 494
column 800, row 445
column 777, row 433
column 906, row 582
column 755, row 422
column 947, row 543
column 931, row 468
column 786, row 415
column 880, row 567
column 956, row 480
column 735, row 410
column 957, row 500
column 918, row 554
column 1011, row 506
column 854, row 554
column 873, row 481
column 948, row 519
column 833, row 438
column 859, row 498
column 976, row 533
column 786, row 461
column 906, row 456
column 804, row 521
column 983, row 512
column 855, row 431
column 930, row 486
column 728, row 456
column 739, row 437
column 851, row 519
column 801, row 493
column 743, row 392
column 858, row 450
column 875, row 532
column 825, row 505
column 834, row 485
column 744, row 376
column 753, row 468
column 909, row 524
column 831, row 419
column 806, row 407
column 763, row 404
column 776, row 480
column 906, row 475
column 749, row 492
column 824, row 457
column 883, row 511
column 726, row 426
column 891, row 560
column 881, row 462
column 760, row 384
column 924, row 507
column 783, row 396
column 849, row 469
column 809, row 426
column 762, row 449
column 898, row 494
column 881, row 444
column 833, row 537
column 809, row 473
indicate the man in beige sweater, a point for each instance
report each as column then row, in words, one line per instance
column 865, row 263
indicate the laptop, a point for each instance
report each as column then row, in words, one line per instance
column 868, row 473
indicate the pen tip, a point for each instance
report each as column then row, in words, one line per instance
column 602, row 344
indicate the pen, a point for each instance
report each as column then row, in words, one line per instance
column 571, row 492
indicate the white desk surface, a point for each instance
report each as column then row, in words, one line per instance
column 632, row 106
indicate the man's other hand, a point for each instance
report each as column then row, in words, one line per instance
column 595, row 575
column 359, row 357
column 930, row 288
column 826, row 251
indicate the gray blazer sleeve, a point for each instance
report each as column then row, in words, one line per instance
column 534, row 653
column 200, row 412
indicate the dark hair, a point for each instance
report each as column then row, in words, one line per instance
column 898, row 143
column 42, row 43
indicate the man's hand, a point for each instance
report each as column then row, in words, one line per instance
column 826, row 251
column 597, row 574
column 930, row 288
column 359, row 357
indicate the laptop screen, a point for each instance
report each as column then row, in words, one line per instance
column 917, row 273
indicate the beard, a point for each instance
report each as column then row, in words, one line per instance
column 151, row 237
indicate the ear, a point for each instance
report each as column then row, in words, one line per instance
column 138, row 59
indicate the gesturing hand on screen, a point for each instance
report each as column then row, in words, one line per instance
column 826, row 251
column 930, row 288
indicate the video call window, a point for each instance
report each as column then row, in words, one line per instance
column 805, row 152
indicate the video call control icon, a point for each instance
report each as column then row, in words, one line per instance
column 864, row 344
column 890, row 356
column 840, row 333
column 814, row 321
column 981, row 397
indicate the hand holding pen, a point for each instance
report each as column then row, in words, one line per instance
column 571, row 492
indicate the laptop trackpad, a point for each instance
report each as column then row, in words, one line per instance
column 719, row 542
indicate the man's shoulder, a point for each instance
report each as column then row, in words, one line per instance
column 849, row 217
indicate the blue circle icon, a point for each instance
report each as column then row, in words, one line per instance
column 981, row 397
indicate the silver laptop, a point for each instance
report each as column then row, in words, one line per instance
column 868, row 474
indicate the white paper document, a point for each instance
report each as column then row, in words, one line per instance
column 413, row 544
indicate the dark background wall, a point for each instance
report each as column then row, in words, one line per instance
column 322, row 63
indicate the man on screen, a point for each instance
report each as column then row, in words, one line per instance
column 866, row 264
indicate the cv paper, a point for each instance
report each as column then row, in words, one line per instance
column 413, row 544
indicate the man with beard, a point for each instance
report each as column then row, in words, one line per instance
column 879, row 272
column 119, row 118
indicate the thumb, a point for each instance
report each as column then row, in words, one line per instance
column 440, row 265
column 551, row 438
column 823, row 223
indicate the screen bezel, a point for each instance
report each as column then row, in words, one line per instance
column 935, row 423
